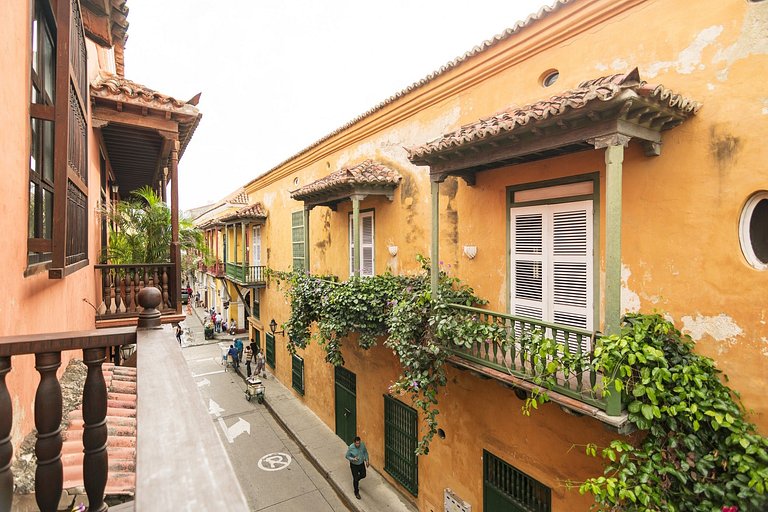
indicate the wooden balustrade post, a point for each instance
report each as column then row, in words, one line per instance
column 49, row 476
column 149, row 299
column 105, row 289
column 6, row 448
column 95, row 461
column 166, row 304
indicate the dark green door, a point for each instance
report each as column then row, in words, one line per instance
column 346, row 404
column 507, row 489
column 270, row 355
column 401, row 431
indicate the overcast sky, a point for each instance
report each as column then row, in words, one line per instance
column 276, row 76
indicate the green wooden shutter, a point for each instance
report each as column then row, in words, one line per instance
column 270, row 341
column 297, row 239
column 297, row 373
column 401, row 432
column 507, row 489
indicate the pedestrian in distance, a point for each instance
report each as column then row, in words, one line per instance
column 248, row 355
column 357, row 455
column 239, row 347
column 233, row 352
column 260, row 364
column 178, row 333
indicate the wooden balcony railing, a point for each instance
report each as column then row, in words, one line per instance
column 121, row 284
column 246, row 274
column 47, row 349
column 170, row 432
column 512, row 355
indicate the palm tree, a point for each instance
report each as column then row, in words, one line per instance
column 140, row 231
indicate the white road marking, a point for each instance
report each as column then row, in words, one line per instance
column 204, row 382
column 214, row 408
column 275, row 461
column 207, row 373
column 235, row 430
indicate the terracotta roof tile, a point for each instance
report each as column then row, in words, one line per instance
column 368, row 172
column 602, row 89
column 121, row 435
column 253, row 211
column 109, row 85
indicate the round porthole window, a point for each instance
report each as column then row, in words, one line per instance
column 549, row 77
column 753, row 230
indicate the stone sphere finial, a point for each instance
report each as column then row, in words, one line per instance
column 149, row 298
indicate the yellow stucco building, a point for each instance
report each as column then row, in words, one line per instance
column 602, row 157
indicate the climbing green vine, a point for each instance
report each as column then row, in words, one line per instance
column 398, row 307
column 698, row 452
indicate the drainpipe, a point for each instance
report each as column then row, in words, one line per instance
column 435, row 253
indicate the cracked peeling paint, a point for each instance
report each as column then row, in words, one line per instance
column 720, row 328
column 689, row 59
column 752, row 40
column 630, row 301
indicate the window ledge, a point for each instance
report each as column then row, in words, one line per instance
column 36, row 268
column 59, row 273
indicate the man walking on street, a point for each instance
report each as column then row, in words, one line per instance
column 357, row 455
column 248, row 358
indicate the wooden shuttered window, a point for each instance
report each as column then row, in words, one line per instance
column 298, row 239
column 58, row 218
column 367, row 254
column 552, row 264
column 270, row 349
column 297, row 373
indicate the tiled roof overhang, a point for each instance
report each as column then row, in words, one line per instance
column 366, row 178
column 139, row 127
column 616, row 107
column 254, row 212
column 105, row 21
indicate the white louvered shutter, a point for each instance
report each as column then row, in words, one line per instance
column 551, row 262
column 366, row 244
column 571, row 268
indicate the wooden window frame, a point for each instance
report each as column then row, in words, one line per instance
column 68, row 111
column 42, row 114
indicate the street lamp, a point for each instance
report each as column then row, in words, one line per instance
column 273, row 328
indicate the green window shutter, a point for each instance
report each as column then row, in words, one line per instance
column 401, row 431
column 297, row 373
column 270, row 342
column 509, row 489
column 297, row 239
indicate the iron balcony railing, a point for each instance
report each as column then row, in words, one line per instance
column 512, row 353
column 246, row 274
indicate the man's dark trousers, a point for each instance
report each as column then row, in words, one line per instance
column 358, row 473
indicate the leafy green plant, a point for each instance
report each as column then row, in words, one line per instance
column 140, row 230
column 699, row 451
column 398, row 307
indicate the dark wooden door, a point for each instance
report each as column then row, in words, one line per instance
column 346, row 404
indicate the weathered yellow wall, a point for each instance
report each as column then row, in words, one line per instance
column 680, row 247
column 33, row 304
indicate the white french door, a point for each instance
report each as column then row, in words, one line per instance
column 551, row 264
